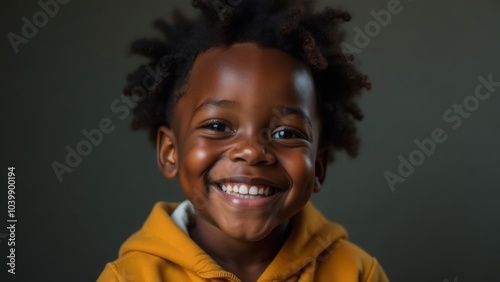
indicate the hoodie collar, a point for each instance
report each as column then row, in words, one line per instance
column 311, row 237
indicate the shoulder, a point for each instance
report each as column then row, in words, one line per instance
column 131, row 267
column 345, row 261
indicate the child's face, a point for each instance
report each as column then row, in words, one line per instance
column 248, row 119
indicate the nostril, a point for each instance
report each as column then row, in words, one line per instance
column 251, row 152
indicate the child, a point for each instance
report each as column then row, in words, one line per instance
column 248, row 104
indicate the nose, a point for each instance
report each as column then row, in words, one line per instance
column 252, row 152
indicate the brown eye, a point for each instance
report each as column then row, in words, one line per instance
column 217, row 126
column 286, row 133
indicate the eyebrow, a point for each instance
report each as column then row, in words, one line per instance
column 227, row 104
column 286, row 110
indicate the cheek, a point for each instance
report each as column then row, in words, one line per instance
column 300, row 168
column 196, row 157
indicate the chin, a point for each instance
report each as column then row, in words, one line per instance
column 244, row 233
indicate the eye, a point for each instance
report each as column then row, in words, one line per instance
column 287, row 133
column 217, row 126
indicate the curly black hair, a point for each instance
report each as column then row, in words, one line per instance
column 291, row 26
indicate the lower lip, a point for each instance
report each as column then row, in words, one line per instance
column 246, row 203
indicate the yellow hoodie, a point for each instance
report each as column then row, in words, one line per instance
column 316, row 250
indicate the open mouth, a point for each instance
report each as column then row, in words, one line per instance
column 247, row 191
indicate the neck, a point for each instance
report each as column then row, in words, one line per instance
column 235, row 255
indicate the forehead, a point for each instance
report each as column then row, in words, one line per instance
column 247, row 69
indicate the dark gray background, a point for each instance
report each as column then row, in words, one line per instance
column 441, row 223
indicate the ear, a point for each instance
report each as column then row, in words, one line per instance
column 166, row 152
column 321, row 164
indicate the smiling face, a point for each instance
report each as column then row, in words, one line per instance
column 244, row 140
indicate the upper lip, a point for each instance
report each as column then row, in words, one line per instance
column 250, row 181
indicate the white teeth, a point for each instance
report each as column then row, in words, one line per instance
column 247, row 192
column 253, row 190
column 243, row 190
column 247, row 196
